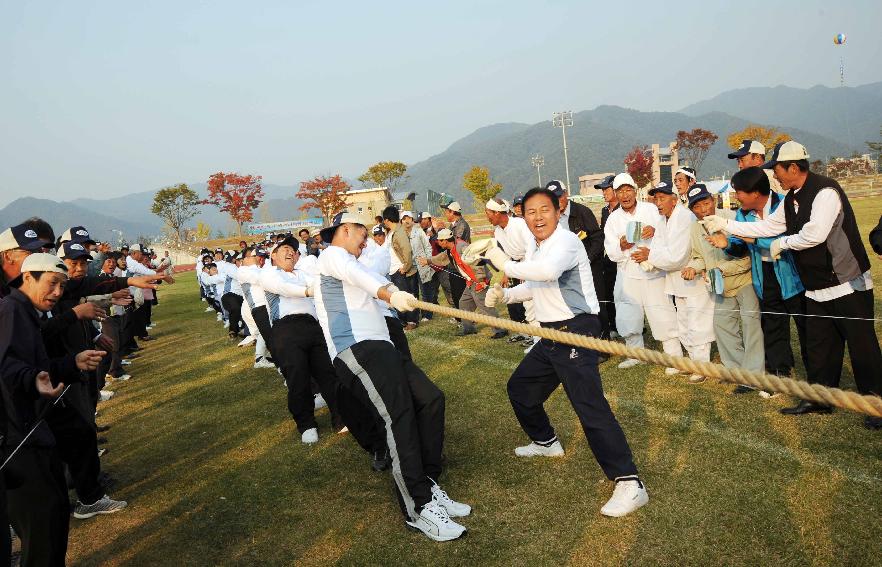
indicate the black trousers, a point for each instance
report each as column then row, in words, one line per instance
column 112, row 361
column 610, row 269
column 77, row 446
column 549, row 364
column 826, row 339
column 233, row 304
column 429, row 292
column 516, row 311
column 374, row 373
column 410, row 284
column 38, row 505
column 127, row 333
column 776, row 328
column 262, row 320
column 301, row 353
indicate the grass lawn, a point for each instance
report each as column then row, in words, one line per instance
column 207, row 456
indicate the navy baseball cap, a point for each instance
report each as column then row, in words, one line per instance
column 557, row 187
column 378, row 230
column 74, row 251
column 663, row 187
column 22, row 237
column 698, row 192
column 518, row 200
column 345, row 217
column 605, row 183
column 748, row 147
column 77, row 234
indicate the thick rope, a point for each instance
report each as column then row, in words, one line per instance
column 869, row 405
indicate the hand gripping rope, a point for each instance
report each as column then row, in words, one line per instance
column 866, row 404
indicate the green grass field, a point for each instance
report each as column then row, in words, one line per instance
column 207, row 456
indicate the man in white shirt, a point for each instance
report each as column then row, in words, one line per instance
column 557, row 277
column 371, row 367
column 231, row 295
column 821, row 231
column 640, row 288
column 299, row 347
column 249, row 279
column 670, row 251
column 684, row 179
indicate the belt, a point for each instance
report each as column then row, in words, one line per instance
column 565, row 325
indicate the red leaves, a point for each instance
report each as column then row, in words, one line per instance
column 694, row 145
column 327, row 194
column 237, row 195
column 638, row 163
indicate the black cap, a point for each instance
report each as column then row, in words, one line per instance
column 378, row 230
column 20, row 236
column 77, row 234
column 74, row 251
column 344, row 217
column 698, row 192
column 518, row 200
column 605, row 183
column 289, row 241
column 663, row 187
column 556, row 187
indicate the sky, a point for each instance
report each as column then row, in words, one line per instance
column 102, row 99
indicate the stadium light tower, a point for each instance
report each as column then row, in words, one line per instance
column 563, row 120
column 538, row 161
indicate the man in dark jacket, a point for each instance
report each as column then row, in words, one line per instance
column 610, row 269
column 36, row 491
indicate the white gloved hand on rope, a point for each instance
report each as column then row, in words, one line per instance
column 713, row 224
column 400, row 300
column 494, row 295
column 475, row 251
column 496, row 257
column 775, row 249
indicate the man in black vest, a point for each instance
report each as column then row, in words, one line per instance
column 581, row 221
column 608, row 327
column 820, row 230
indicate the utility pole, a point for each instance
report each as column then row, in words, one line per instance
column 562, row 120
column 538, row 161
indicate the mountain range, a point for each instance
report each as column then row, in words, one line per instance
column 829, row 121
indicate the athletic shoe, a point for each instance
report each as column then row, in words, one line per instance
column 629, row 495
column 101, row 451
column 453, row 320
column 614, row 335
column 462, row 332
column 123, row 377
column 226, row 324
column 149, row 327
column 742, row 389
column 410, row 326
column 105, row 395
column 262, row 362
column 529, row 347
column 517, row 338
column 249, row 340
column 435, row 523
column 381, row 460
column 697, row 379
column 310, row 436
column 671, row 371
column 105, row 505
column 536, row 450
column 499, row 334
column 209, row 308
column 319, row 402
column 768, row 395
column 125, row 362
column 454, row 509
column 425, row 320
column 628, row 363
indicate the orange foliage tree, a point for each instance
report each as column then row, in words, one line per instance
column 638, row 164
column 327, row 194
column 236, row 195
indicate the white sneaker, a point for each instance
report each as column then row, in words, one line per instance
column 310, row 436
column 249, row 340
column 628, row 363
column 319, row 402
column 454, row 509
column 263, row 363
column 209, row 308
column 535, row 450
column 425, row 320
column 124, row 377
column 628, row 496
column 614, row 335
column 105, row 395
column 125, row 362
column 671, row 371
column 220, row 316
column 226, row 324
column 696, row 379
column 435, row 523
column 529, row 348
column 768, row 395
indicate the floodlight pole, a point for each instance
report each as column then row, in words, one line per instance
column 538, row 161
column 562, row 120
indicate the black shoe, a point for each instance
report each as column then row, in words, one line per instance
column 382, row 460
column 742, row 389
column 873, row 423
column 804, row 407
column 463, row 332
column 102, row 428
column 102, row 440
column 499, row 334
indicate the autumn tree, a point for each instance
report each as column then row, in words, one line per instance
column 236, row 195
column 327, row 194
column 638, row 164
column 384, row 174
column 767, row 136
column 175, row 205
column 202, row 232
column 694, row 145
column 477, row 181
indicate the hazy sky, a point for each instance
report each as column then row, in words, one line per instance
column 109, row 98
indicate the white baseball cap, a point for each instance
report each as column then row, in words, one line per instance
column 406, row 214
column 445, row 234
column 623, row 179
column 786, row 151
column 42, row 262
column 454, row 206
column 426, row 215
column 748, row 147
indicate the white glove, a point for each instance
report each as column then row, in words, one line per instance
column 713, row 224
column 477, row 249
column 494, row 295
column 310, row 291
column 497, row 257
column 775, row 249
column 646, row 266
column 400, row 300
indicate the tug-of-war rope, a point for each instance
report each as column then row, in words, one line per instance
column 865, row 404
